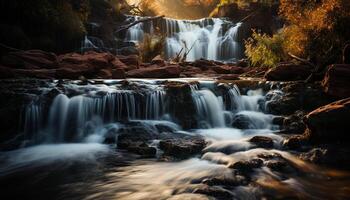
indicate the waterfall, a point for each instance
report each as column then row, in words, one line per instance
column 212, row 39
column 95, row 109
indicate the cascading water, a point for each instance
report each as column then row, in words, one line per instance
column 89, row 114
column 212, row 39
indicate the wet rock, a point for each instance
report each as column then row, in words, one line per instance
column 246, row 166
column 330, row 122
column 296, row 96
column 171, row 71
column 235, row 180
column 295, row 142
column 337, row 80
column 294, row 124
column 262, row 141
column 137, row 147
column 241, row 122
column 276, row 165
column 331, row 156
column 179, row 96
column 288, row 72
column 182, row 148
column 279, row 120
column 214, row 191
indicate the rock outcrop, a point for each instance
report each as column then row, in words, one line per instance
column 288, row 72
column 171, row 71
column 330, row 122
column 337, row 80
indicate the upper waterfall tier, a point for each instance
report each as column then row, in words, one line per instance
column 212, row 38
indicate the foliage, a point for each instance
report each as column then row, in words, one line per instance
column 151, row 46
column 264, row 50
column 317, row 29
column 49, row 24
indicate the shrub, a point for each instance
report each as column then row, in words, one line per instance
column 265, row 50
column 151, row 46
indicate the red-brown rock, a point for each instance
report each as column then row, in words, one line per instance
column 31, row 59
column 118, row 74
column 337, row 81
column 171, row 71
column 330, row 122
column 131, row 61
column 224, row 69
column 229, row 77
column 288, row 72
column 158, row 60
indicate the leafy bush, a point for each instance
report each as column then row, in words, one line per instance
column 316, row 29
column 151, row 46
column 264, row 50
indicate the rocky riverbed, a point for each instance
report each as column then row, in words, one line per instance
column 174, row 139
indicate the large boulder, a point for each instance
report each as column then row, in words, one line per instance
column 288, row 72
column 337, row 80
column 132, row 61
column 330, row 122
column 171, row 71
column 31, row 59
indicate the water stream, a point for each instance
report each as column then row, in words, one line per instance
column 65, row 156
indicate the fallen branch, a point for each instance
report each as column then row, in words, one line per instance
column 249, row 16
column 126, row 27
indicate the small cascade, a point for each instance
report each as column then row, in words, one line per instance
column 212, row 39
column 93, row 110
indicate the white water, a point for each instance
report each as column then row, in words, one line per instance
column 213, row 39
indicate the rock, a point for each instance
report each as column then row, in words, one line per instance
column 294, row 124
column 31, row 59
column 294, row 97
column 295, row 142
column 221, row 69
column 332, row 156
column 179, row 96
column 288, row 72
column 213, row 191
column 190, row 71
column 118, row 74
column 330, row 122
column 104, row 74
column 182, row 148
column 246, row 166
column 75, row 73
column 262, row 141
column 276, row 165
column 132, row 61
column 159, row 61
column 235, row 180
column 117, row 64
column 229, row 77
column 241, row 122
column 127, row 51
column 204, row 64
column 236, row 70
column 337, row 80
column 171, row 71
